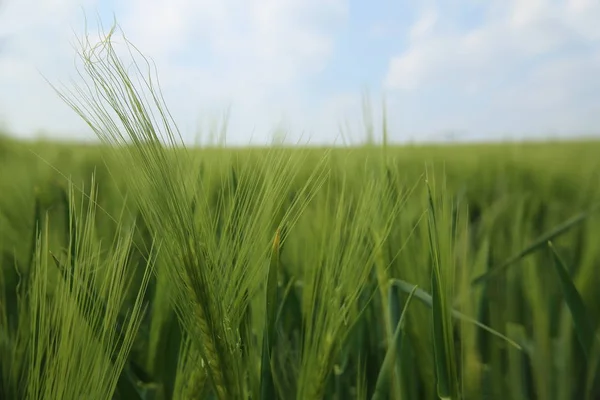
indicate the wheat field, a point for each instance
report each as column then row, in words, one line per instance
column 143, row 269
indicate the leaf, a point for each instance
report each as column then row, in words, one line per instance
column 538, row 243
column 382, row 386
column 88, row 293
column 168, row 353
column 443, row 342
column 425, row 298
column 394, row 309
column 267, row 387
column 583, row 327
column 37, row 224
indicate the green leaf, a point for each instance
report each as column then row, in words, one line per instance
column 538, row 243
column 88, row 293
column 583, row 327
column 443, row 342
column 425, row 298
column 382, row 386
column 267, row 387
column 168, row 353
column 37, row 224
column 395, row 312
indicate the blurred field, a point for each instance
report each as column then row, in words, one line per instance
column 369, row 216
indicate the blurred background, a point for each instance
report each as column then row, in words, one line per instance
column 449, row 71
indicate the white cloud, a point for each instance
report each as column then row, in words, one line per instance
column 526, row 55
column 512, row 34
column 425, row 24
column 255, row 55
column 259, row 54
column 529, row 65
column 39, row 38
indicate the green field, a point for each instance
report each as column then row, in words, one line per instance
column 139, row 271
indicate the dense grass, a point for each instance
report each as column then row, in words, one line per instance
column 134, row 270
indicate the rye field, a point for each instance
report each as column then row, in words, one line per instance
column 140, row 269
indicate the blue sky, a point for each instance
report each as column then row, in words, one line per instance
column 484, row 70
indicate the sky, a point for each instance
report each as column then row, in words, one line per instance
column 445, row 69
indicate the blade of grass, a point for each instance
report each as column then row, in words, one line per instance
column 426, row 299
column 267, row 390
column 382, row 385
column 581, row 320
column 537, row 244
column 443, row 341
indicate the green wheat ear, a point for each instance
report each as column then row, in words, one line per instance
column 214, row 270
column 79, row 343
column 443, row 340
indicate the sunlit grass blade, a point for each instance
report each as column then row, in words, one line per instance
column 426, row 299
column 87, row 297
column 338, row 266
column 37, row 225
column 442, row 329
column 75, row 349
column 540, row 242
column 383, row 383
column 581, row 319
column 267, row 390
column 395, row 315
column 516, row 365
